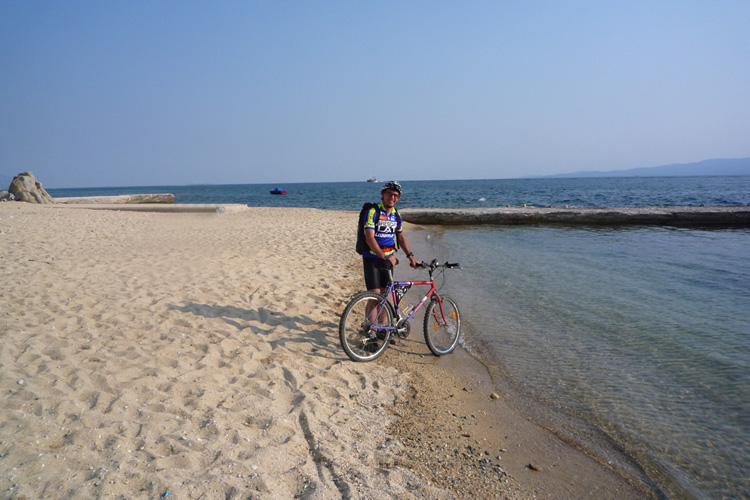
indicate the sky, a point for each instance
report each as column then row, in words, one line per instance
column 118, row 93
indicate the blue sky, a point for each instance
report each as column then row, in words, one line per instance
column 158, row 93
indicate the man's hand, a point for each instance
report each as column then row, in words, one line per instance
column 413, row 262
column 392, row 259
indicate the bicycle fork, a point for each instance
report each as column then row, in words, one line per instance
column 439, row 300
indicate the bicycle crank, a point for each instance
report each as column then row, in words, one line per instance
column 403, row 328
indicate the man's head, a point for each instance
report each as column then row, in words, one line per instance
column 390, row 193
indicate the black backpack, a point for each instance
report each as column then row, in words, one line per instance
column 362, row 245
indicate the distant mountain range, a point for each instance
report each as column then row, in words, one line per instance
column 737, row 166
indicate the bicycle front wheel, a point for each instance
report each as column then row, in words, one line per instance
column 361, row 328
column 442, row 326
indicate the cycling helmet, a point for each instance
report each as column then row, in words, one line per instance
column 394, row 185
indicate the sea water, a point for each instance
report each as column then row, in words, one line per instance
column 634, row 338
column 641, row 332
column 594, row 192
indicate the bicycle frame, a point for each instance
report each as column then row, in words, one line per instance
column 391, row 290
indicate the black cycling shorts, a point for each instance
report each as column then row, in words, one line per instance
column 376, row 272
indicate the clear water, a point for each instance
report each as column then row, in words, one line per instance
column 640, row 332
column 643, row 332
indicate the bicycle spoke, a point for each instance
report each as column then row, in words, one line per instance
column 361, row 329
column 442, row 326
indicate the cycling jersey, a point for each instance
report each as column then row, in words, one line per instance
column 386, row 226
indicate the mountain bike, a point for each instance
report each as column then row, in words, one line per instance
column 370, row 319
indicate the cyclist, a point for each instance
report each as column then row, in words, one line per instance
column 382, row 231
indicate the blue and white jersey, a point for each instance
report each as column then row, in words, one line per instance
column 386, row 227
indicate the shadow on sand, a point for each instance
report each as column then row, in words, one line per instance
column 262, row 321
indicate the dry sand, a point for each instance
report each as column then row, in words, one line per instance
column 196, row 355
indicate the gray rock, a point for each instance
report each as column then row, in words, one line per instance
column 25, row 187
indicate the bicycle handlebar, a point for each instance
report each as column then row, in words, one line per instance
column 434, row 265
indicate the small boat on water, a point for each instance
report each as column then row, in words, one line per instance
column 372, row 179
column 278, row 190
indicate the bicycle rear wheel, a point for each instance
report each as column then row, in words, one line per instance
column 359, row 331
column 442, row 328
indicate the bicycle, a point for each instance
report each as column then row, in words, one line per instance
column 370, row 319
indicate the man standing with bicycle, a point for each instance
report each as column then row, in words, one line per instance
column 383, row 235
column 372, row 318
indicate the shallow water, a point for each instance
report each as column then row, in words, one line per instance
column 641, row 331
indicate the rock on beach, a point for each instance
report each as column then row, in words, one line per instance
column 25, row 187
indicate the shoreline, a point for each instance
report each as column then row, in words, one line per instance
column 576, row 431
column 488, row 374
column 198, row 352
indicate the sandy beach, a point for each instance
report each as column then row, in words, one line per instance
column 196, row 355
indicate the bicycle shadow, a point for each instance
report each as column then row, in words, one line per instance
column 266, row 322
column 414, row 347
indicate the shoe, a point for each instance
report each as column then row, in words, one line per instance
column 381, row 336
column 370, row 346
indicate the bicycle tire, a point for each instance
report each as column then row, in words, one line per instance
column 362, row 344
column 441, row 335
